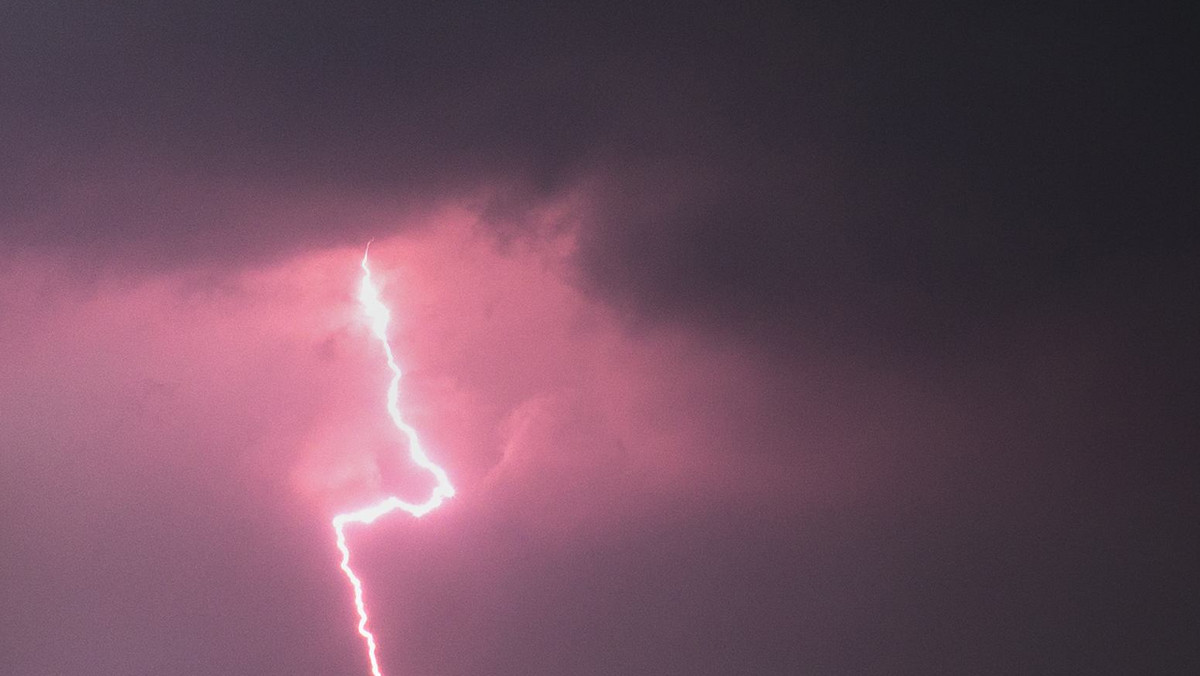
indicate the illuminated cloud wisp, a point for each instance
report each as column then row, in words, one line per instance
column 378, row 314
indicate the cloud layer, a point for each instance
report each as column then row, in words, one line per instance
column 757, row 340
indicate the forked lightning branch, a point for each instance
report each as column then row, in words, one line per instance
column 380, row 317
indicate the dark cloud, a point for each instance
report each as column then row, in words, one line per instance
column 940, row 261
column 855, row 169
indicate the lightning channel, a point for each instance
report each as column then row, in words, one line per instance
column 380, row 318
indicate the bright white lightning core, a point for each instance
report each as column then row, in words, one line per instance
column 377, row 312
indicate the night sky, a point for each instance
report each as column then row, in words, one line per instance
column 756, row 340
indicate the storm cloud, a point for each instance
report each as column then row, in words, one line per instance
column 758, row 339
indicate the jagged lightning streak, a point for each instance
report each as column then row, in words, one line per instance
column 377, row 312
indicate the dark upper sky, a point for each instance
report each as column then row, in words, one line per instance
column 954, row 242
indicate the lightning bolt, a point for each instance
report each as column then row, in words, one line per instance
column 377, row 312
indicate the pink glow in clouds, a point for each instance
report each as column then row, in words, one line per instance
column 241, row 407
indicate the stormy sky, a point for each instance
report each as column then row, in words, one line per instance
column 758, row 339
